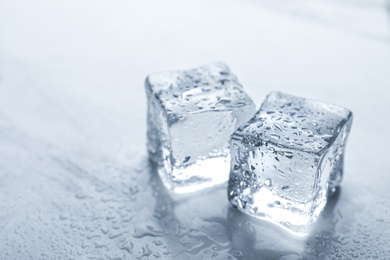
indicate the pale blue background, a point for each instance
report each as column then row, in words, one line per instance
column 74, row 178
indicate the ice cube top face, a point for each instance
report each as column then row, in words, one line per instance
column 287, row 159
column 191, row 115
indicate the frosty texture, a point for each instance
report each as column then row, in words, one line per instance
column 191, row 115
column 287, row 159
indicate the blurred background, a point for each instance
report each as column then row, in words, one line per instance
column 75, row 182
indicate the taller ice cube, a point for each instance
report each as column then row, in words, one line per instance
column 287, row 159
column 191, row 115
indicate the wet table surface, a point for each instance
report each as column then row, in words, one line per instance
column 75, row 181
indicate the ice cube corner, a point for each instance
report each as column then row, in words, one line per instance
column 191, row 115
column 287, row 159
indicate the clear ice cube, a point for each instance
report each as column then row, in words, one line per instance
column 191, row 115
column 287, row 159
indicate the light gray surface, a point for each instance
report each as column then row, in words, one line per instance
column 74, row 178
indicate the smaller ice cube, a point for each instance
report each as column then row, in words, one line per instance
column 288, row 159
column 191, row 115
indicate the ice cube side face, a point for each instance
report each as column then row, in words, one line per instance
column 191, row 115
column 287, row 160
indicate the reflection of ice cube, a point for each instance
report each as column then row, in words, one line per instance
column 191, row 115
column 287, row 159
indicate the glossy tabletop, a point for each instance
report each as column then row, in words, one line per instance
column 75, row 181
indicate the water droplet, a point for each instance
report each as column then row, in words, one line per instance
column 238, row 253
column 289, row 154
column 274, row 136
column 278, row 127
column 246, row 174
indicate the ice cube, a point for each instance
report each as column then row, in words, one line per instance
column 191, row 115
column 287, row 160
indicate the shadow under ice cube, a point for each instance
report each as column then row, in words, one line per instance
column 288, row 159
column 191, row 115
